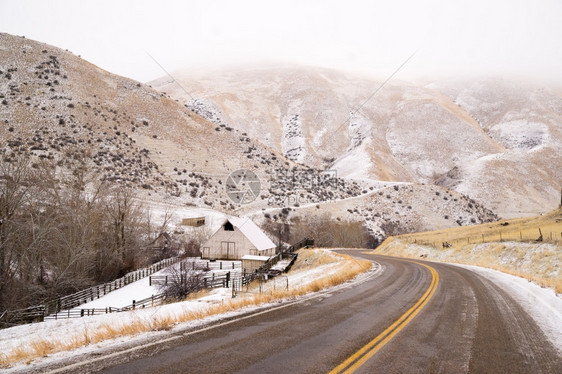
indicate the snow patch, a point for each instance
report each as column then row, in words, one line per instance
column 542, row 304
column 355, row 164
column 520, row 134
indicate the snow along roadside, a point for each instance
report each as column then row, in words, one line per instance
column 542, row 304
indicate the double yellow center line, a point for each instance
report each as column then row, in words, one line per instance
column 362, row 355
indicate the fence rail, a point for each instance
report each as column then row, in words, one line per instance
column 213, row 281
column 306, row 242
column 264, row 270
column 70, row 302
column 153, row 300
column 92, row 293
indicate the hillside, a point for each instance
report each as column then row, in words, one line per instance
column 63, row 111
column 527, row 247
column 56, row 106
column 498, row 142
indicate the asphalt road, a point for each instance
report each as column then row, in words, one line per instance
column 407, row 318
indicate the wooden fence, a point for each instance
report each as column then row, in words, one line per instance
column 65, row 307
column 92, row 293
column 263, row 272
column 210, row 265
column 153, row 300
column 304, row 243
column 213, row 281
column 39, row 312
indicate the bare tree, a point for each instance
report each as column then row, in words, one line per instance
column 15, row 188
column 183, row 281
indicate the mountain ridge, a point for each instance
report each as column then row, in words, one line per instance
column 67, row 112
column 417, row 133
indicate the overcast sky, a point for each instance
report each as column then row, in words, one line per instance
column 368, row 37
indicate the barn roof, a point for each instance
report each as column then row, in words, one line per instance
column 251, row 231
column 256, row 258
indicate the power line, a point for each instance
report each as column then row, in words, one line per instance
column 170, row 75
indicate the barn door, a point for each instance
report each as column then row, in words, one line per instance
column 228, row 250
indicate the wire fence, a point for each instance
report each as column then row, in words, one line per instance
column 500, row 236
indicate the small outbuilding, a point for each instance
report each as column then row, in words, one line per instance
column 193, row 221
column 236, row 238
column 251, row 263
column 163, row 246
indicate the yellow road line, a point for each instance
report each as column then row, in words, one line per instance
column 368, row 350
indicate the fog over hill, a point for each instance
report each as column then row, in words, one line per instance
column 497, row 141
column 396, row 156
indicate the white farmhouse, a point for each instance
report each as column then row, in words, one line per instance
column 236, row 238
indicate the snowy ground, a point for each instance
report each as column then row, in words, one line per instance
column 141, row 289
column 542, row 304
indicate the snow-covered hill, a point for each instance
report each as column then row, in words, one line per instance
column 497, row 141
column 64, row 112
column 57, row 107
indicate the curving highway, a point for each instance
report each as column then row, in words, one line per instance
column 408, row 317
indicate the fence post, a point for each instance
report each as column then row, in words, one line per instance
column 150, row 281
column 220, row 267
column 227, row 279
column 232, row 265
column 134, row 302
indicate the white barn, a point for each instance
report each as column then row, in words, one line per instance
column 236, row 238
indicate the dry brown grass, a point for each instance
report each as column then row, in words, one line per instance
column 535, row 261
column 43, row 348
column 348, row 268
column 313, row 257
column 18, row 354
column 520, row 229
